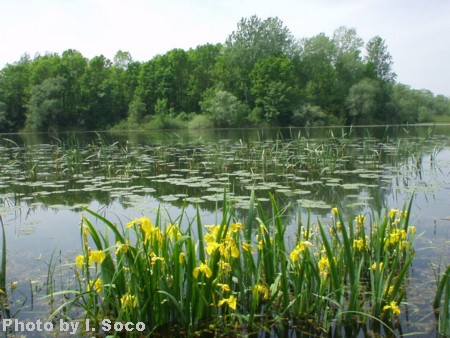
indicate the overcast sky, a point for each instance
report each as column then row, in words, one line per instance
column 417, row 32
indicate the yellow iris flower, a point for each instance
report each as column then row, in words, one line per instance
column 96, row 256
column 231, row 301
column 393, row 307
column 360, row 219
column 392, row 213
column 224, row 266
column 128, row 300
column 122, row 247
column 96, row 285
column 204, row 269
column 335, row 211
column 261, row 289
column 376, row 266
column 301, row 246
column 173, row 232
column 181, row 257
column 224, row 287
column 358, row 244
column 324, row 267
column 79, row 261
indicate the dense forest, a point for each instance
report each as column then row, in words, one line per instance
column 262, row 75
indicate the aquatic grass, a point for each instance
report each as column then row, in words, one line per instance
column 3, row 259
column 286, row 168
column 3, row 296
column 279, row 164
column 347, row 275
column 441, row 303
column 10, row 303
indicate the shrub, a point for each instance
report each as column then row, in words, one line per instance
column 224, row 109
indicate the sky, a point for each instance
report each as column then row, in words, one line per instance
column 416, row 32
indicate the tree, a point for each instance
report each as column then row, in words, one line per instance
column 274, row 88
column 14, row 92
column 46, row 105
column 136, row 110
column 165, row 77
column 363, row 101
column 224, row 108
column 309, row 115
column 442, row 105
column 123, row 79
column 202, row 73
column 122, row 60
column 413, row 106
column 425, row 114
column 177, row 76
column 347, row 41
column 348, row 63
column 4, row 123
column 254, row 40
column 379, row 61
column 73, row 67
column 97, row 95
column 44, row 67
column 317, row 72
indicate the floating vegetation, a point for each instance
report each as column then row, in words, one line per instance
column 326, row 165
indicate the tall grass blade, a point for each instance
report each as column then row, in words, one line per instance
column 3, row 258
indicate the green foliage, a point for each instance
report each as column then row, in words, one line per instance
column 203, row 72
column 418, row 105
column 14, row 91
column 136, row 110
column 350, row 272
column 363, row 101
column 97, row 88
column 278, row 78
column 4, row 123
column 441, row 303
column 317, row 72
column 274, row 87
column 379, row 61
column 224, row 109
column 253, row 41
column 160, row 121
column 200, row 122
column 425, row 114
column 309, row 115
column 348, row 63
column 45, row 108
column 161, row 107
column 2, row 261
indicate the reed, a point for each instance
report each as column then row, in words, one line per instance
column 441, row 303
column 3, row 295
column 348, row 275
column 3, row 259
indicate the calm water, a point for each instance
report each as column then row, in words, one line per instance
column 46, row 180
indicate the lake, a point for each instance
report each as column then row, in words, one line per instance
column 47, row 179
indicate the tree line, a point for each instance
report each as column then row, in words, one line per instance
column 261, row 75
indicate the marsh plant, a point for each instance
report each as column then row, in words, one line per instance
column 442, row 303
column 343, row 277
column 3, row 295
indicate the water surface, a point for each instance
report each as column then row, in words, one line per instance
column 46, row 180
